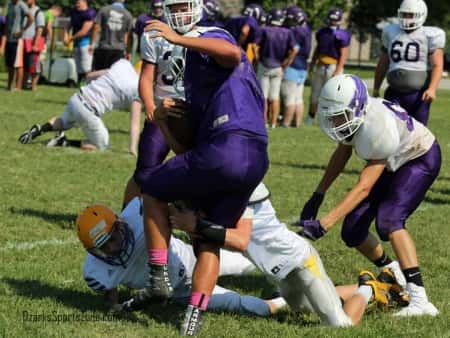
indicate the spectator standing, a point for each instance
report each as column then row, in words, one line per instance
column 18, row 13
column 329, row 56
column 114, row 23
column 50, row 16
column 2, row 35
column 34, row 44
column 81, row 22
column 156, row 12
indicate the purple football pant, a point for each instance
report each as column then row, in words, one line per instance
column 394, row 197
column 153, row 149
column 218, row 177
column 411, row 102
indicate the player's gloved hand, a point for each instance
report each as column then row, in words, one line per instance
column 312, row 229
column 137, row 302
column 311, row 207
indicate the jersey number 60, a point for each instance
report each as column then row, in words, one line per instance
column 410, row 52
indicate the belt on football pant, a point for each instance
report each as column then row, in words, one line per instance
column 87, row 103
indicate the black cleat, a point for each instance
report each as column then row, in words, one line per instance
column 192, row 321
column 137, row 302
column 159, row 283
column 58, row 141
column 30, row 134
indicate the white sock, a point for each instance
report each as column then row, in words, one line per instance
column 279, row 302
column 366, row 291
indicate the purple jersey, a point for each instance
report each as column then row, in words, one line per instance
column 235, row 24
column 211, row 23
column 2, row 25
column 141, row 23
column 303, row 36
column 276, row 42
column 330, row 41
column 77, row 19
column 222, row 99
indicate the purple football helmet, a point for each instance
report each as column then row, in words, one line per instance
column 211, row 9
column 334, row 16
column 276, row 17
column 253, row 10
column 156, row 4
column 294, row 16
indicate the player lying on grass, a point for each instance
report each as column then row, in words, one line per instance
column 403, row 160
column 117, row 256
column 292, row 263
column 114, row 88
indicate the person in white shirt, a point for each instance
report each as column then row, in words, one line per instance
column 412, row 56
column 117, row 256
column 403, row 160
column 114, row 88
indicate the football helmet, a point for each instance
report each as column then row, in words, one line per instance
column 276, row 17
column 342, row 105
column 183, row 21
column 255, row 11
column 211, row 9
column 98, row 224
column 156, row 4
column 334, row 16
column 412, row 14
column 295, row 16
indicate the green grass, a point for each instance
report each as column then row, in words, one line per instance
column 42, row 190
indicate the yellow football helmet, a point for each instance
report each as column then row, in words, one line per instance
column 96, row 225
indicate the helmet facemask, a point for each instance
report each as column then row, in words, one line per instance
column 116, row 248
column 412, row 14
column 182, row 15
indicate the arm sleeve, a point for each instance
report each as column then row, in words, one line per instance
column 292, row 42
column 436, row 38
column 40, row 19
column 148, row 48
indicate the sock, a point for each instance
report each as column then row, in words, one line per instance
column 413, row 275
column 366, row 291
column 383, row 260
column 279, row 302
column 199, row 300
column 46, row 127
column 158, row 256
column 72, row 143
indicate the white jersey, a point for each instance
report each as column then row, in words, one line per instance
column 273, row 248
column 410, row 51
column 389, row 133
column 116, row 89
column 102, row 276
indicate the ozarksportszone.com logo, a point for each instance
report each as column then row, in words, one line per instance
column 57, row 317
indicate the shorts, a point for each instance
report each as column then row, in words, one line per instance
column 79, row 113
column 217, row 177
column 14, row 54
column 292, row 93
column 83, row 59
column 104, row 58
column 393, row 198
column 322, row 74
column 270, row 79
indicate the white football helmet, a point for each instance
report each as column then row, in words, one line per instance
column 183, row 21
column 342, row 104
column 412, row 14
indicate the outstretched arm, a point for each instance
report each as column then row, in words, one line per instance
column 380, row 72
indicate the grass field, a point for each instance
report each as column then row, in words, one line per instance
column 42, row 190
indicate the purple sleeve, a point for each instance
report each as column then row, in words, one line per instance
column 344, row 37
column 90, row 14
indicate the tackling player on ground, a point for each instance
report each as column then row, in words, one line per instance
column 403, row 160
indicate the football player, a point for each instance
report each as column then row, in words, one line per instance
column 211, row 14
column 403, row 160
column 228, row 160
column 292, row 264
column 409, row 49
column 117, row 256
column 275, row 51
column 328, row 58
column 114, row 88
column 295, row 75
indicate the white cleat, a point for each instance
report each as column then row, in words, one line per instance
column 419, row 305
column 399, row 276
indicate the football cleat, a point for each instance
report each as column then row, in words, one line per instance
column 192, row 321
column 380, row 289
column 396, row 292
column 58, row 141
column 137, row 302
column 419, row 305
column 394, row 266
column 30, row 134
column 159, row 283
